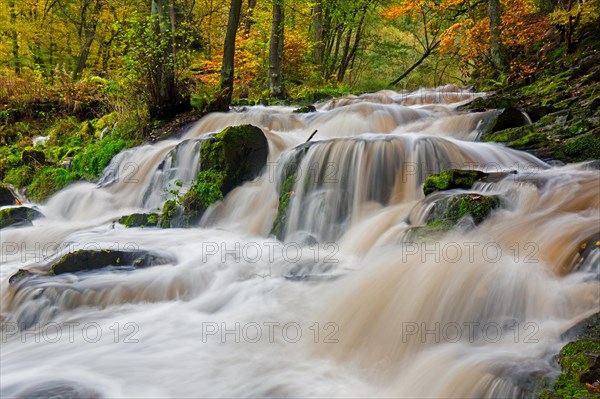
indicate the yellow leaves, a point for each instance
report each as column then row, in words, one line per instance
column 584, row 12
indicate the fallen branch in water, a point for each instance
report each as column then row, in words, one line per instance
column 311, row 136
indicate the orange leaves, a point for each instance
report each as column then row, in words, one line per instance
column 522, row 25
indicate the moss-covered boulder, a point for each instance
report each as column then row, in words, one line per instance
column 449, row 212
column 84, row 260
column 6, row 196
column 239, row 152
column 491, row 102
column 450, row 179
column 580, row 371
column 581, row 148
column 455, row 207
column 305, row 109
column 17, row 217
column 140, row 220
column 227, row 160
column 502, row 119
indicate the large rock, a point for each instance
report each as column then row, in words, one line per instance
column 140, row 220
column 464, row 210
column 7, row 197
column 84, row 260
column 588, row 328
column 502, row 119
column 240, row 152
column 450, row 179
column 58, row 389
column 18, row 216
column 227, row 160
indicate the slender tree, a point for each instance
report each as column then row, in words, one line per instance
column 276, row 50
column 88, row 26
column 248, row 17
column 497, row 51
column 223, row 99
column 318, row 32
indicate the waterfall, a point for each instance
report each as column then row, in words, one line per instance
column 345, row 303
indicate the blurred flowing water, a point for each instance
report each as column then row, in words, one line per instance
column 346, row 305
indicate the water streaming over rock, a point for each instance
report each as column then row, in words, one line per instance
column 347, row 304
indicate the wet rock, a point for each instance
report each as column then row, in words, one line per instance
column 58, row 390
column 455, row 207
column 285, row 195
column 140, row 220
column 18, row 216
column 503, row 119
column 240, row 152
column 305, row 109
column 7, row 196
column 492, row 102
column 588, row 328
column 455, row 211
column 83, row 260
column 585, row 65
column 229, row 159
column 19, row 276
column 450, row 179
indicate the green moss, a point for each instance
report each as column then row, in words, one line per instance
column 450, row 179
column 90, row 163
column 305, row 109
column 492, row 102
column 509, row 135
column 17, row 216
column 20, row 176
column 49, row 180
column 168, row 213
column 581, row 148
column 139, row 220
column 206, row 190
column 285, row 193
column 576, row 359
column 240, row 152
column 456, row 207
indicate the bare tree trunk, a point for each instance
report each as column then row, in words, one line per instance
column 319, row 47
column 90, row 34
column 276, row 50
column 497, row 51
column 248, row 18
column 226, row 84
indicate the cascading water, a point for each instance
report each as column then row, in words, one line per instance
column 346, row 305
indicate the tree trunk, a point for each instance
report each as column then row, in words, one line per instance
column 497, row 51
column 276, row 50
column 164, row 90
column 14, row 37
column 223, row 99
column 319, row 47
column 90, row 34
column 248, row 18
